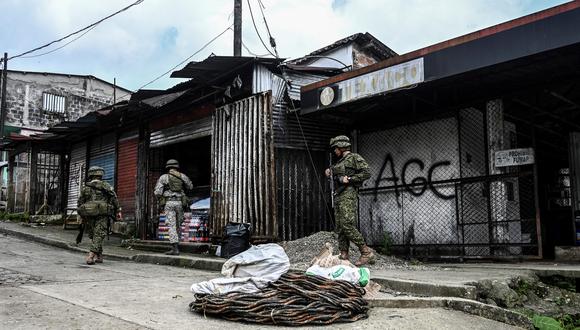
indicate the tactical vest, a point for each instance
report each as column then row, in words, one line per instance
column 175, row 184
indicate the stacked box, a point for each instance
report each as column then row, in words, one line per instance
column 194, row 227
column 163, row 229
column 199, row 222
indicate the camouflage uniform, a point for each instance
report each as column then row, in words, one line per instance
column 98, row 190
column 170, row 187
column 356, row 168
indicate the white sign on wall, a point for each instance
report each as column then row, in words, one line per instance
column 380, row 81
column 514, row 157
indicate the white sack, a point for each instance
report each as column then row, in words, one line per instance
column 248, row 271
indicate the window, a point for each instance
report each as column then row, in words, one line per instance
column 53, row 103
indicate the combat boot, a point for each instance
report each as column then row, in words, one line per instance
column 99, row 258
column 343, row 255
column 174, row 250
column 91, row 258
column 366, row 256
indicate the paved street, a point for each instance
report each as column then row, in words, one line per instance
column 50, row 288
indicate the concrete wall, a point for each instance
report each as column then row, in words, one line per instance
column 82, row 94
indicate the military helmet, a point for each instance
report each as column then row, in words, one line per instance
column 341, row 141
column 96, row 171
column 172, row 163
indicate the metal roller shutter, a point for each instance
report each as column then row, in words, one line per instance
column 127, row 182
column 77, row 170
column 103, row 154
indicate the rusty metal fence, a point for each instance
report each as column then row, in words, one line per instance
column 434, row 189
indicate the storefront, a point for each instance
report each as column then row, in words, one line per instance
column 190, row 144
column 472, row 149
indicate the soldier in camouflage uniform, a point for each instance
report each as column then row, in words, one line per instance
column 349, row 173
column 170, row 191
column 100, row 196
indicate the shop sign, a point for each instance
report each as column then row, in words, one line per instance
column 376, row 82
column 514, row 157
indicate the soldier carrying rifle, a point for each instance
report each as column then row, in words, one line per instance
column 97, row 205
column 349, row 173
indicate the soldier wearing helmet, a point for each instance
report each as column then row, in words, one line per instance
column 349, row 173
column 97, row 204
column 170, row 192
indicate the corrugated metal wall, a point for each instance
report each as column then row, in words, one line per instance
column 127, row 178
column 243, row 181
column 77, row 170
column 103, row 154
column 316, row 132
column 180, row 133
column 303, row 193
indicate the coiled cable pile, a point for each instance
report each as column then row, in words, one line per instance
column 295, row 299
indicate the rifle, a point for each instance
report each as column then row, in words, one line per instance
column 331, row 177
column 81, row 232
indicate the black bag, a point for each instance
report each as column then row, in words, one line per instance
column 236, row 239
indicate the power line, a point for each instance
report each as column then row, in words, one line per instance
column 272, row 40
column 180, row 63
column 76, row 32
column 54, row 50
column 257, row 32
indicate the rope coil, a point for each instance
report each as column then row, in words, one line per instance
column 296, row 299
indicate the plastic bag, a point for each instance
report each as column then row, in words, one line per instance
column 236, row 239
column 354, row 275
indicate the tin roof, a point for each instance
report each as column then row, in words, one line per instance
column 214, row 67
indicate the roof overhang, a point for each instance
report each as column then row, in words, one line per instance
column 535, row 34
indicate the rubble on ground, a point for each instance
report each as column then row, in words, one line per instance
column 303, row 250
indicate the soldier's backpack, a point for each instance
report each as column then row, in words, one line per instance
column 94, row 209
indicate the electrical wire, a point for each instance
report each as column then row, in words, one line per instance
column 272, row 40
column 258, row 32
column 54, row 50
column 78, row 31
column 293, row 108
column 185, row 60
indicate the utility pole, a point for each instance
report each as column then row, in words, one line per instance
column 3, row 101
column 237, row 27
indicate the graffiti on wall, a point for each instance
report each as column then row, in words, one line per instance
column 417, row 185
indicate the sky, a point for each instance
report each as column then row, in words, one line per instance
column 140, row 44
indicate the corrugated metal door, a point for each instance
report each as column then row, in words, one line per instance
column 78, row 160
column 103, row 154
column 127, row 178
column 243, row 180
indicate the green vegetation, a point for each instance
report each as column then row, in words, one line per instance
column 523, row 287
column 564, row 322
column 387, row 245
column 15, row 217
